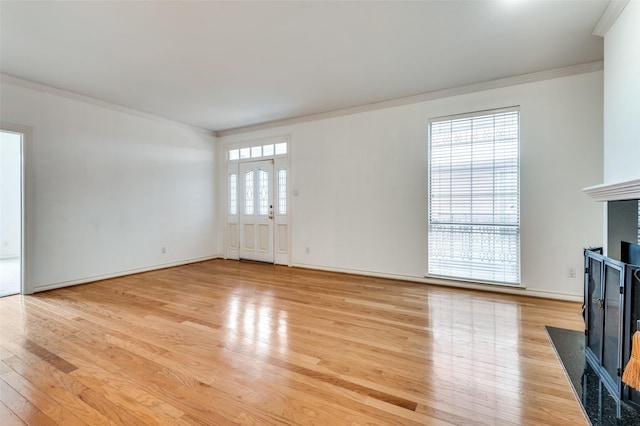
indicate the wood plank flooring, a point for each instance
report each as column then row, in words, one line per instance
column 223, row 342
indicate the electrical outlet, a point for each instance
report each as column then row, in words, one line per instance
column 307, row 250
column 163, row 250
column 572, row 272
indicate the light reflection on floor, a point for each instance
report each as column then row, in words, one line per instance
column 489, row 364
column 9, row 276
column 250, row 321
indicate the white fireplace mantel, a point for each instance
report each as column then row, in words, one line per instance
column 627, row 190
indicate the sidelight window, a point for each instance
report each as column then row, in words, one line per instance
column 474, row 197
column 282, row 191
column 233, row 194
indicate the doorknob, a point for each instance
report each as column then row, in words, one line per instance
column 270, row 212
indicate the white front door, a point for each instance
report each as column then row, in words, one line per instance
column 256, row 210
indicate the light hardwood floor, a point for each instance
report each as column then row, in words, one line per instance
column 223, row 342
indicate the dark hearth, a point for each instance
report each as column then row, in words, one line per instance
column 599, row 405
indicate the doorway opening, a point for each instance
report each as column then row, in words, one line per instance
column 11, row 212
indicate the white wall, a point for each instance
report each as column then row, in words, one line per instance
column 622, row 97
column 11, row 198
column 111, row 188
column 362, row 183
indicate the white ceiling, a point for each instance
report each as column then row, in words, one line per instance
column 223, row 65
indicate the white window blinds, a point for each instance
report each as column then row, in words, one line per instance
column 474, row 199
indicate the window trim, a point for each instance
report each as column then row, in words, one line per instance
column 452, row 117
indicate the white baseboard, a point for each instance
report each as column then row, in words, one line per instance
column 418, row 279
column 520, row 291
column 86, row 280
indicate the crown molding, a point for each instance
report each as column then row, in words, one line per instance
column 438, row 94
column 625, row 190
column 28, row 84
column 609, row 16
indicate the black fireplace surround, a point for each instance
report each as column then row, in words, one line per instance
column 612, row 312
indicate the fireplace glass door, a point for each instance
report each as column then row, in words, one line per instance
column 611, row 351
column 595, row 304
column 632, row 316
column 604, row 289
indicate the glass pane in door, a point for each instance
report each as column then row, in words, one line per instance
column 263, row 192
column 248, row 192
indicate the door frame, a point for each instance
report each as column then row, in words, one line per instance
column 26, row 284
column 280, row 162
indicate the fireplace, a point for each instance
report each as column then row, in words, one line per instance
column 612, row 288
column 612, row 311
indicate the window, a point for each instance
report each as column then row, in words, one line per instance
column 257, row 151
column 282, row 191
column 267, row 150
column 281, row 148
column 233, row 194
column 474, row 197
